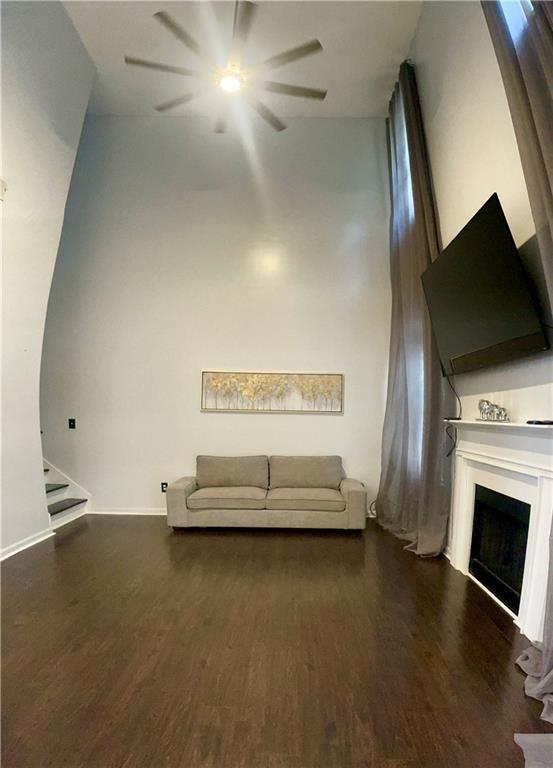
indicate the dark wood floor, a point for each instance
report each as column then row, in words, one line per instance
column 127, row 646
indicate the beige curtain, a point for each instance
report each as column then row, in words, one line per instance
column 522, row 35
column 414, row 495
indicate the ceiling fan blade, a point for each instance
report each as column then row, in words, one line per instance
column 180, row 33
column 292, row 54
column 293, row 90
column 267, row 115
column 134, row 62
column 244, row 14
column 172, row 103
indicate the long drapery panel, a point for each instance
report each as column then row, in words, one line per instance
column 414, row 495
column 522, row 36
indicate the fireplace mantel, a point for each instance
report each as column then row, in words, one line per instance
column 517, row 460
column 505, row 426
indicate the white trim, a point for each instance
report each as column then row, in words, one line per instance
column 67, row 516
column 536, row 568
column 519, row 426
column 535, row 470
column 160, row 511
column 30, row 541
column 520, row 465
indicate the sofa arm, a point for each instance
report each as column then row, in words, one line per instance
column 355, row 495
column 177, row 493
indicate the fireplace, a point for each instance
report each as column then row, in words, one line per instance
column 516, row 461
column 498, row 548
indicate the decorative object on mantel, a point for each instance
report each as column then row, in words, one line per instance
column 272, row 392
column 492, row 412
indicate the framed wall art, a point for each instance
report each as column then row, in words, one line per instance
column 242, row 392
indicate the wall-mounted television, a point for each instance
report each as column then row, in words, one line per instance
column 480, row 303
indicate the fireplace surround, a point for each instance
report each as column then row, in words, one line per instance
column 513, row 460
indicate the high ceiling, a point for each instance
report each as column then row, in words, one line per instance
column 364, row 43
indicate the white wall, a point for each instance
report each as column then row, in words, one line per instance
column 473, row 153
column 182, row 250
column 46, row 81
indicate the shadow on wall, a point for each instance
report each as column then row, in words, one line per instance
column 532, row 262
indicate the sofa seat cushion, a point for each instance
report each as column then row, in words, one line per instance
column 323, row 499
column 305, row 472
column 228, row 497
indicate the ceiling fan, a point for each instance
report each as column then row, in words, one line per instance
column 233, row 78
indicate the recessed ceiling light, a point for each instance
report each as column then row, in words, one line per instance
column 230, row 83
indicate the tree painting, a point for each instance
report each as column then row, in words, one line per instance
column 272, row 392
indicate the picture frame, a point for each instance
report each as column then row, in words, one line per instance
column 272, row 392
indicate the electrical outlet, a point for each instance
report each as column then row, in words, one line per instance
column 163, row 487
column 72, row 423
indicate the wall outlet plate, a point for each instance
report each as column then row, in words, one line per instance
column 164, row 487
column 72, row 423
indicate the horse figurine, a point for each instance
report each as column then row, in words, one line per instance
column 491, row 411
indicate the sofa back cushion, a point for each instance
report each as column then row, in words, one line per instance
column 217, row 471
column 306, row 471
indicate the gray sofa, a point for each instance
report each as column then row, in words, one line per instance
column 263, row 492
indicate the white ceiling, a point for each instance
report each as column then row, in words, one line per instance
column 364, row 43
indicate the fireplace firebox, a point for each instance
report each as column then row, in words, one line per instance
column 499, row 539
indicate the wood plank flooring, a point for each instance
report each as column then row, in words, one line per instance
column 128, row 646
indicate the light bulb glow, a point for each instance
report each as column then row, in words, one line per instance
column 230, row 83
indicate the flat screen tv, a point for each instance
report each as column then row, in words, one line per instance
column 480, row 304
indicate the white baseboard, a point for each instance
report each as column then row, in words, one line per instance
column 67, row 516
column 71, row 515
column 30, row 541
column 129, row 511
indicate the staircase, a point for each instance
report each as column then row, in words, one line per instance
column 66, row 500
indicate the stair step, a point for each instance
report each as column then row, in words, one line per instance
column 51, row 487
column 61, row 506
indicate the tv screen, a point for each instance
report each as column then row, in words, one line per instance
column 481, row 308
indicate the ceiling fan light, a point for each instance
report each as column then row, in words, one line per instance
column 230, row 83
